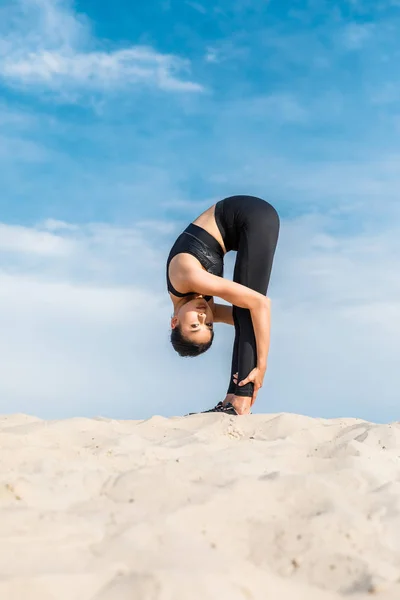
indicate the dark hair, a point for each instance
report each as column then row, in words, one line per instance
column 185, row 347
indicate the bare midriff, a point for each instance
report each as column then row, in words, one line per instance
column 207, row 221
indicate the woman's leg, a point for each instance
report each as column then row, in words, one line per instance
column 235, row 353
column 258, row 237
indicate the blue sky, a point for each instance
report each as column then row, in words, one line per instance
column 120, row 122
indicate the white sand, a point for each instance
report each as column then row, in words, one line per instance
column 206, row 507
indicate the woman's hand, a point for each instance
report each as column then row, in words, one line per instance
column 256, row 376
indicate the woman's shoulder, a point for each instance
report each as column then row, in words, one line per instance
column 184, row 263
column 181, row 269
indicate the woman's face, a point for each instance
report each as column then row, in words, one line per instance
column 196, row 321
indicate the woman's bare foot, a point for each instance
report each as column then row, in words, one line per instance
column 242, row 404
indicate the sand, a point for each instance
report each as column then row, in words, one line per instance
column 204, row 507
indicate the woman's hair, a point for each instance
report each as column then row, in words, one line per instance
column 185, row 347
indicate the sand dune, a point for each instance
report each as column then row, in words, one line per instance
column 205, row 507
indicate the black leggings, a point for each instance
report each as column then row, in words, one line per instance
column 250, row 226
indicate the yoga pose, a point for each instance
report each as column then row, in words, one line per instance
column 249, row 226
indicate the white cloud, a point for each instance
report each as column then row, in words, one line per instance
column 99, row 70
column 25, row 240
column 29, row 25
column 84, row 327
column 50, row 46
column 94, row 253
column 70, row 349
column 336, row 322
column 56, row 225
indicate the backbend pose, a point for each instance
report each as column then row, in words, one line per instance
column 195, row 264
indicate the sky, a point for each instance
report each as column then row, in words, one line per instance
column 120, row 122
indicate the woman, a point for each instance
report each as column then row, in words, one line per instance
column 250, row 226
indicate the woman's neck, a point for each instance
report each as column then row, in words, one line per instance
column 179, row 302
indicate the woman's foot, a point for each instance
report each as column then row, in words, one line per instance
column 226, row 409
column 239, row 405
column 228, row 399
column 242, row 404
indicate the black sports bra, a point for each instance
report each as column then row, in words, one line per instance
column 202, row 245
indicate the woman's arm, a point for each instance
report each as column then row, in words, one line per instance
column 211, row 285
column 241, row 296
column 223, row 314
column 261, row 319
